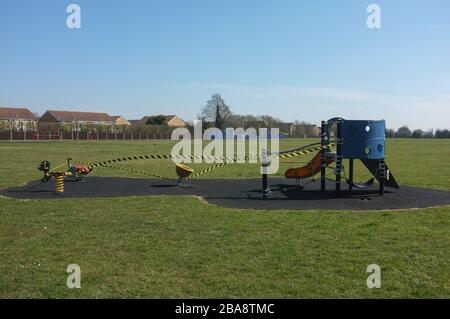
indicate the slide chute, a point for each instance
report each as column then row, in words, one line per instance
column 308, row 170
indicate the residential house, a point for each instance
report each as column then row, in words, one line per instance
column 73, row 120
column 306, row 130
column 18, row 119
column 287, row 129
column 171, row 121
column 135, row 122
column 298, row 130
column 120, row 120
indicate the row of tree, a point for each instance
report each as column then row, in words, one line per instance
column 406, row 132
column 218, row 112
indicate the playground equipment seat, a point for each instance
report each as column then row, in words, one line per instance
column 183, row 171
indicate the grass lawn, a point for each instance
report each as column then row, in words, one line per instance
column 174, row 246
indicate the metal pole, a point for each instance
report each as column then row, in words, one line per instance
column 265, row 163
column 338, row 158
column 350, row 174
column 323, row 135
column 381, row 175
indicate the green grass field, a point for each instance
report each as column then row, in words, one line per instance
column 180, row 247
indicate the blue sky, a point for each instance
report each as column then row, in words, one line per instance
column 304, row 60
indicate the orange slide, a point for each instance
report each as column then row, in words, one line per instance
column 310, row 169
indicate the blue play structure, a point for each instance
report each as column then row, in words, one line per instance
column 362, row 139
column 355, row 139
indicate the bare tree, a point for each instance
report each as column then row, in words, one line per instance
column 216, row 110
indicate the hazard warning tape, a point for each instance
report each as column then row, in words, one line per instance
column 159, row 156
column 228, row 160
column 129, row 158
column 207, row 170
column 284, row 155
column 305, row 151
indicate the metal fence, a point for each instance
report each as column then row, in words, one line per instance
column 78, row 136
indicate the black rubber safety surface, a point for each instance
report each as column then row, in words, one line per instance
column 241, row 193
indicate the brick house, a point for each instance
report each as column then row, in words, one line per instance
column 171, row 121
column 74, row 120
column 120, row 120
column 17, row 119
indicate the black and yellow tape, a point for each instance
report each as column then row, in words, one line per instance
column 305, row 151
column 225, row 161
column 207, row 170
column 280, row 155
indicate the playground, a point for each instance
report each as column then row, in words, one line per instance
column 291, row 244
column 352, row 140
column 240, row 193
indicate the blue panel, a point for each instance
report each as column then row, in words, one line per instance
column 363, row 139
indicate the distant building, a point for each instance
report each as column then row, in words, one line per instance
column 135, row 122
column 19, row 119
column 120, row 120
column 171, row 121
column 286, row 128
column 306, row 130
column 74, row 120
column 298, row 130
